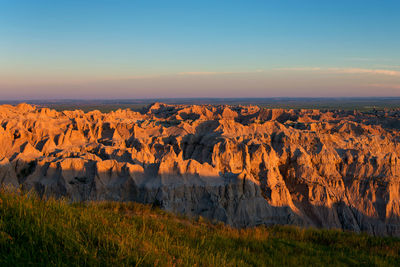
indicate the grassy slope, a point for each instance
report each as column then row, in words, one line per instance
column 53, row 232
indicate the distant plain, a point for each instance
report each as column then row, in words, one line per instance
column 107, row 105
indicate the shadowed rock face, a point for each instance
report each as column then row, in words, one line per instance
column 241, row 165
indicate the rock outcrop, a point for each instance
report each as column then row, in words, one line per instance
column 242, row 165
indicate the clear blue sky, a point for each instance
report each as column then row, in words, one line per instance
column 199, row 48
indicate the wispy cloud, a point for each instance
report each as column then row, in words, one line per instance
column 366, row 71
column 390, row 86
column 201, row 73
column 301, row 69
column 219, row 72
column 347, row 70
column 138, row 77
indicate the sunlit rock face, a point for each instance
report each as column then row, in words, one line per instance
column 241, row 165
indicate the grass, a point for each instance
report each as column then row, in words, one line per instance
column 50, row 232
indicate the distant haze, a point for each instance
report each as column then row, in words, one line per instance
column 166, row 49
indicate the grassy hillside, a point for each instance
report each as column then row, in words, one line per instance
column 53, row 232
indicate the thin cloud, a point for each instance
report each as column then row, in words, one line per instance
column 347, row 70
column 366, row 71
column 201, row 73
column 301, row 69
column 138, row 77
column 390, row 86
column 218, row 72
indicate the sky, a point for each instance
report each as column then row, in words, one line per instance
column 82, row 49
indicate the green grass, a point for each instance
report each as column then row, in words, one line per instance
column 53, row 232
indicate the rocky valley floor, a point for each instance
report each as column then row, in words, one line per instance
column 242, row 165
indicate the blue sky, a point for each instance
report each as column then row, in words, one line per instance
column 149, row 48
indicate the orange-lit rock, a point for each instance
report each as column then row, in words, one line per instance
column 239, row 164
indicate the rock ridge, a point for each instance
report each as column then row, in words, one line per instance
column 243, row 165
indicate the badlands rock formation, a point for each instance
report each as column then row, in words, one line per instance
column 241, row 165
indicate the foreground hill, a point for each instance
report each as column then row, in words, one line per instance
column 52, row 232
column 241, row 165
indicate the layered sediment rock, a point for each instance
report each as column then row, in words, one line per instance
column 241, row 165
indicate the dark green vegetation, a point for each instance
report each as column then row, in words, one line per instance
column 53, row 232
column 350, row 103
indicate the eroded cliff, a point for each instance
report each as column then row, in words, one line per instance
column 241, row 165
